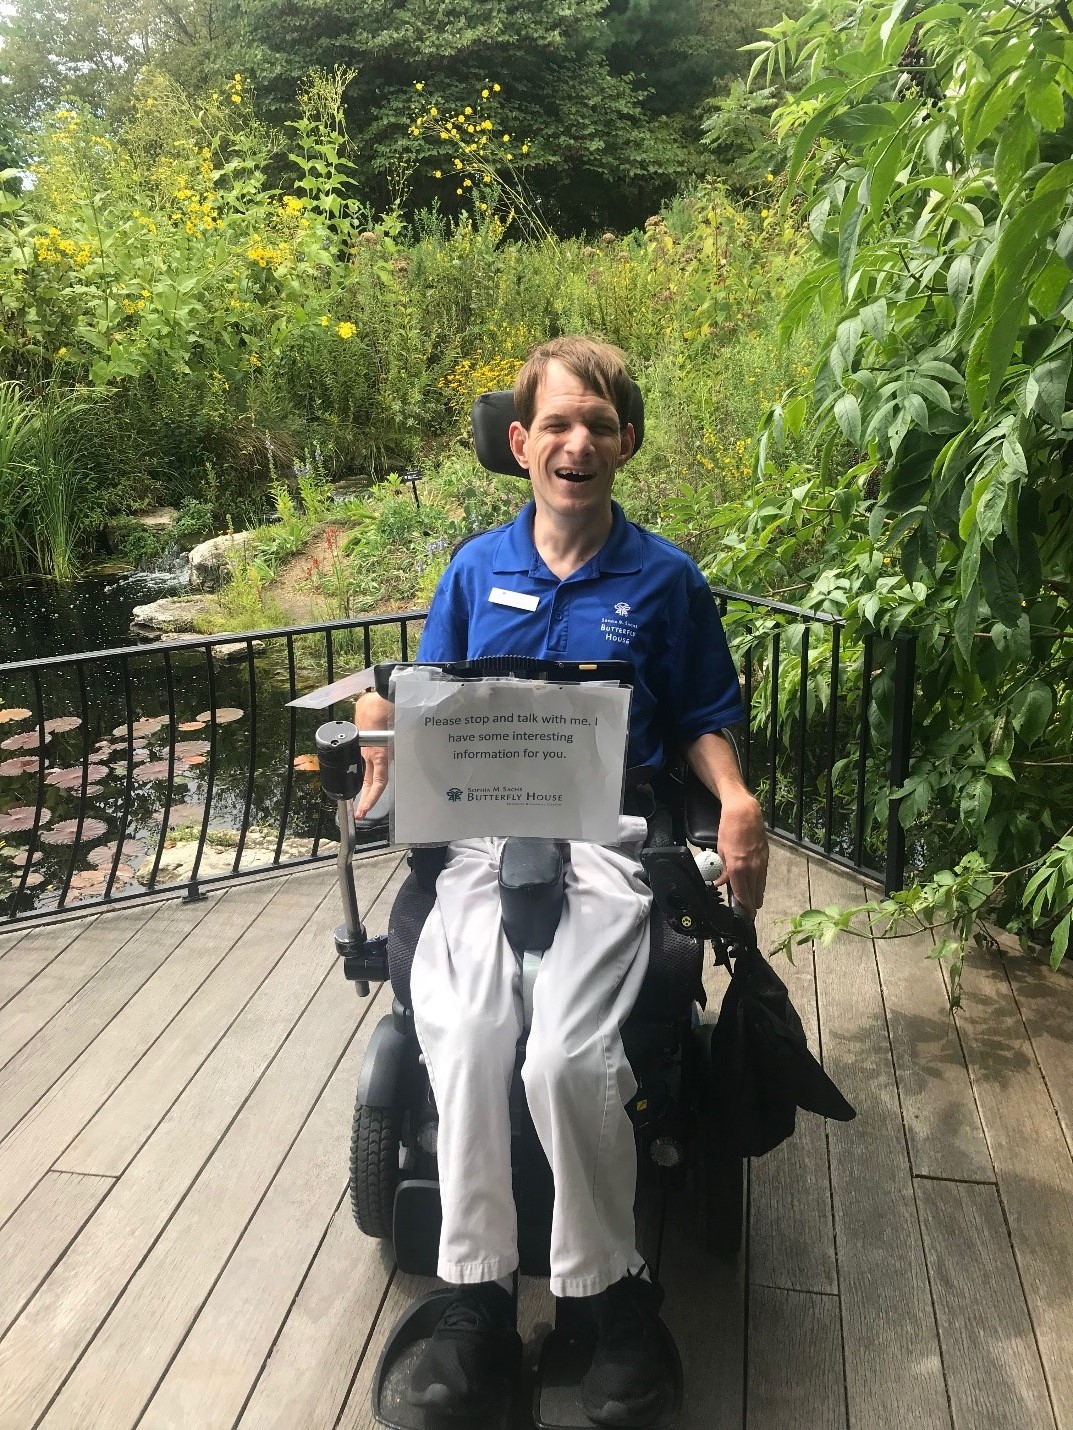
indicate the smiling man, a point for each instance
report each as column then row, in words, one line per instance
column 570, row 578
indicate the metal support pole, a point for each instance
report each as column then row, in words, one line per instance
column 901, row 744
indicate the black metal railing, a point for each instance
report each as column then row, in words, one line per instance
column 829, row 736
column 175, row 765
column 104, row 797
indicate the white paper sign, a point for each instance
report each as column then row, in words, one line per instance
column 506, row 757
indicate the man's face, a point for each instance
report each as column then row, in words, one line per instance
column 573, row 447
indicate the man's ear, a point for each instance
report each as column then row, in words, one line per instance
column 629, row 442
column 517, row 436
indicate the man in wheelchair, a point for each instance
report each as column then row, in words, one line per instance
column 570, row 578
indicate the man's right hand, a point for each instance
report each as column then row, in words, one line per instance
column 371, row 712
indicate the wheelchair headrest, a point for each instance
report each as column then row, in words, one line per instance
column 492, row 414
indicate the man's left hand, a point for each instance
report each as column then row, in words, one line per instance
column 743, row 848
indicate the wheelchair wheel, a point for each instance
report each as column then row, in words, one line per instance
column 374, row 1168
column 718, row 1170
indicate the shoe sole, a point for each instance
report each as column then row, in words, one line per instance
column 439, row 1399
column 632, row 1415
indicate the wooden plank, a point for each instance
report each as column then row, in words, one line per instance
column 131, row 1350
column 1045, row 999
column 40, row 1232
column 219, row 1361
column 891, row 1343
column 107, row 1142
column 33, row 952
column 992, row 1363
column 1031, row 1157
column 57, row 984
column 55, row 1329
column 48, row 1055
column 40, row 1138
column 52, row 1333
column 941, row 1121
column 791, row 1234
column 704, row 1309
column 311, row 1366
column 795, row 1361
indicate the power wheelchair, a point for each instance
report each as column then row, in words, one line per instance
column 676, row 1111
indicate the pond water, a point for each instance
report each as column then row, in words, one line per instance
column 212, row 744
column 43, row 618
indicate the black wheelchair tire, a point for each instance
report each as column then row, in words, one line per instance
column 374, row 1168
column 718, row 1170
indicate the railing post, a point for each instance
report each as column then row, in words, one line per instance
column 901, row 742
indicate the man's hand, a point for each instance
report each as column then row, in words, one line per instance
column 743, row 849
column 371, row 712
column 742, row 837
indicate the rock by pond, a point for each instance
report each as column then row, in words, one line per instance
column 212, row 560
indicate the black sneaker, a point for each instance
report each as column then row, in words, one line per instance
column 473, row 1352
column 627, row 1382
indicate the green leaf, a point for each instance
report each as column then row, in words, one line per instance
column 1017, row 151
column 1045, row 390
column 991, row 114
column 1060, row 941
column 864, row 123
column 965, row 622
column 958, row 278
column 1030, row 710
column 848, row 417
column 999, row 579
column 884, row 172
column 847, row 246
column 1046, row 105
column 847, row 337
column 999, row 768
column 873, row 318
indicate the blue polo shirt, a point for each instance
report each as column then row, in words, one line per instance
column 639, row 599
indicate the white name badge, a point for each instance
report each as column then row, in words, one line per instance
column 520, row 600
column 503, row 757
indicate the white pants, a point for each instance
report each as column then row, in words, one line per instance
column 466, row 995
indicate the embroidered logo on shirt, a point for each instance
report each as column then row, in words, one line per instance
column 616, row 629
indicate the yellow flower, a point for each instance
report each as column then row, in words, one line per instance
column 61, row 352
column 468, row 110
column 419, row 85
column 458, row 191
column 236, row 99
column 438, row 174
column 433, row 112
column 345, row 330
column 484, row 94
column 506, row 138
column 325, row 320
column 525, row 148
column 495, row 88
column 770, row 178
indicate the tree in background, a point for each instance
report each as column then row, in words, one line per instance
column 91, row 51
column 606, row 92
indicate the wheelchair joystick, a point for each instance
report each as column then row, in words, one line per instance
column 339, row 757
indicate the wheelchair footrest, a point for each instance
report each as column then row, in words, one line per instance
column 564, row 1359
column 394, row 1374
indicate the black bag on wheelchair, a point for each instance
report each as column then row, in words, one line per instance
column 761, row 1067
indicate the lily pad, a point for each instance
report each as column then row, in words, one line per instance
column 20, row 765
column 306, row 762
column 187, row 725
column 194, row 760
column 25, row 856
column 185, row 748
column 185, row 814
column 67, row 831
column 102, row 856
column 28, row 740
column 10, row 715
column 21, row 817
column 60, row 723
column 72, row 776
column 224, row 716
column 158, row 770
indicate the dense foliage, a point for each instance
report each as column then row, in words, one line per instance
column 932, row 148
column 605, row 91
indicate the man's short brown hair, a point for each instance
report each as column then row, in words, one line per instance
column 600, row 366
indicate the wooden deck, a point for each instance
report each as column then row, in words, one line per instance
column 176, row 1247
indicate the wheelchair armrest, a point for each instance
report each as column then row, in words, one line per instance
column 702, row 811
column 702, row 807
